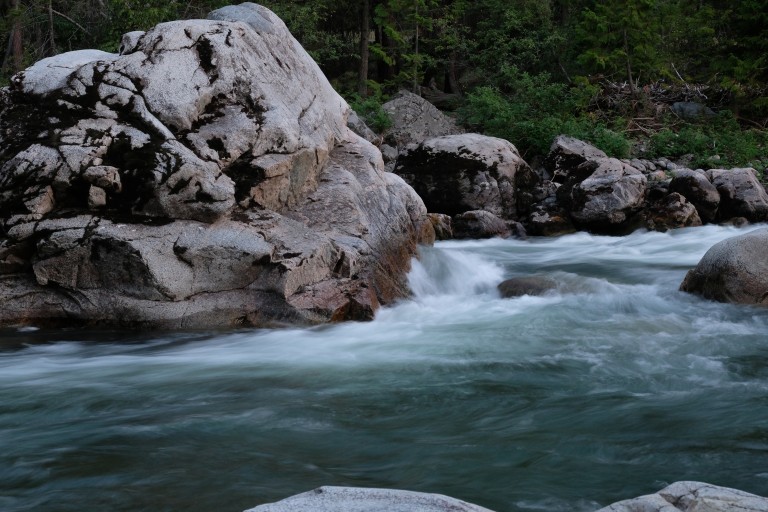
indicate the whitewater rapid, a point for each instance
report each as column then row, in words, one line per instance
column 606, row 388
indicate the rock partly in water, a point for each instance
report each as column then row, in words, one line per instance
column 698, row 190
column 527, row 285
column 670, row 212
column 479, row 224
column 441, row 223
column 415, row 120
column 734, row 270
column 692, row 497
column 603, row 195
column 459, row 173
column 204, row 177
column 741, row 194
column 360, row 499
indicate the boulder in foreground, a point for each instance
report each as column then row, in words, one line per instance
column 360, row 499
column 692, row 497
column 734, row 270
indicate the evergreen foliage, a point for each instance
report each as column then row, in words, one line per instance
column 525, row 70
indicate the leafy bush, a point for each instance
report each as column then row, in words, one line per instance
column 534, row 112
column 721, row 143
column 369, row 109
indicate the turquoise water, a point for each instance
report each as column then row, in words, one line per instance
column 612, row 387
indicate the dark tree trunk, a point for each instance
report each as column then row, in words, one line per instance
column 365, row 30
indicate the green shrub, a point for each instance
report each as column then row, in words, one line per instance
column 537, row 113
column 369, row 109
column 720, row 143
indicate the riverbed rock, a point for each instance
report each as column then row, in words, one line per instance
column 670, row 212
column 479, row 224
column 360, row 499
column 459, row 173
column 741, row 194
column 526, row 285
column 441, row 223
column 603, row 195
column 415, row 120
column 204, row 177
column 692, row 497
column 734, row 270
column 696, row 187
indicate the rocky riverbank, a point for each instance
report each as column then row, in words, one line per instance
column 209, row 175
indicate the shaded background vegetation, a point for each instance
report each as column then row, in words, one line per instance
column 526, row 70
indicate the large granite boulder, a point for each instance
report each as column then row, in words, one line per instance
column 360, row 499
column 734, row 270
column 415, row 120
column 741, row 194
column 459, row 173
column 692, row 497
column 205, row 176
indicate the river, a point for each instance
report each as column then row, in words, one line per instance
column 612, row 387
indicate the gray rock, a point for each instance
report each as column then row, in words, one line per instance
column 698, row 190
column 479, row 224
column 549, row 221
column 457, row 173
column 692, row 497
column 351, row 499
column 415, row 120
column 528, row 285
column 602, row 195
column 672, row 211
column 568, row 153
column 692, row 111
column 205, row 177
column 741, row 194
column 734, row 270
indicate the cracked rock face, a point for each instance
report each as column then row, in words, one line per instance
column 203, row 176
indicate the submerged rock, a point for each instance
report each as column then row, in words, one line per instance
column 479, row 224
column 360, row 499
column 734, row 270
column 692, row 497
column 204, row 177
column 526, row 285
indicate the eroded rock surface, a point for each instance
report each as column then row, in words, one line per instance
column 205, row 176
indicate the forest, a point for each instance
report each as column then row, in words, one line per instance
column 609, row 72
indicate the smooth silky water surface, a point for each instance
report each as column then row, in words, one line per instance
column 610, row 387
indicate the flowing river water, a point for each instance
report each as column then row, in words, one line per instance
column 612, row 387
